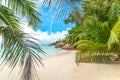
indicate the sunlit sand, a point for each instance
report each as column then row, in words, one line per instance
column 63, row 67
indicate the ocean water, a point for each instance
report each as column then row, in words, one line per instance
column 50, row 50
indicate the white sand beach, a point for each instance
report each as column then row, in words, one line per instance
column 63, row 67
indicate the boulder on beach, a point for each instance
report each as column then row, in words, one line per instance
column 68, row 47
column 52, row 44
column 60, row 45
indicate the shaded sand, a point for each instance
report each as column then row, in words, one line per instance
column 63, row 67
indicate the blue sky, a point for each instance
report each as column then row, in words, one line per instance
column 51, row 24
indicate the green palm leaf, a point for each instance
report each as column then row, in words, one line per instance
column 8, row 17
column 87, row 45
column 96, row 57
column 25, row 8
column 18, row 47
column 114, row 35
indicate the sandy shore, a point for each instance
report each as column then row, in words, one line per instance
column 63, row 67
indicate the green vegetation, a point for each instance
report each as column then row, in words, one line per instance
column 19, row 47
column 98, row 35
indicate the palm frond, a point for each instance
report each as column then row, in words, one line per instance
column 64, row 7
column 17, row 45
column 18, row 48
column 25, row 8
column 58, row 3
column 87, row 45
column 29, row 69
column 8, row 18
column 91, row 51
column 114, row 35
column 114, row 13
column 95, row 57
column 95, row 30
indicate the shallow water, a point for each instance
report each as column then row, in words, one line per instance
column 50, row 50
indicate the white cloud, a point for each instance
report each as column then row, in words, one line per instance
column 44, row 37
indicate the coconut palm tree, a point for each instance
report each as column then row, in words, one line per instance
column 19, row 47
column 100, row 33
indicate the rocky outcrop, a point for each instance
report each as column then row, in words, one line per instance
column 68, row 47
column 52, row 44
column 64, row 46
column 60, row 45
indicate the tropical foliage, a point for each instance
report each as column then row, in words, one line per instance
column 19, row 47
column 98, row 36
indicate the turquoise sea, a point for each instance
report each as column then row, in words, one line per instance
column 50, row 50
